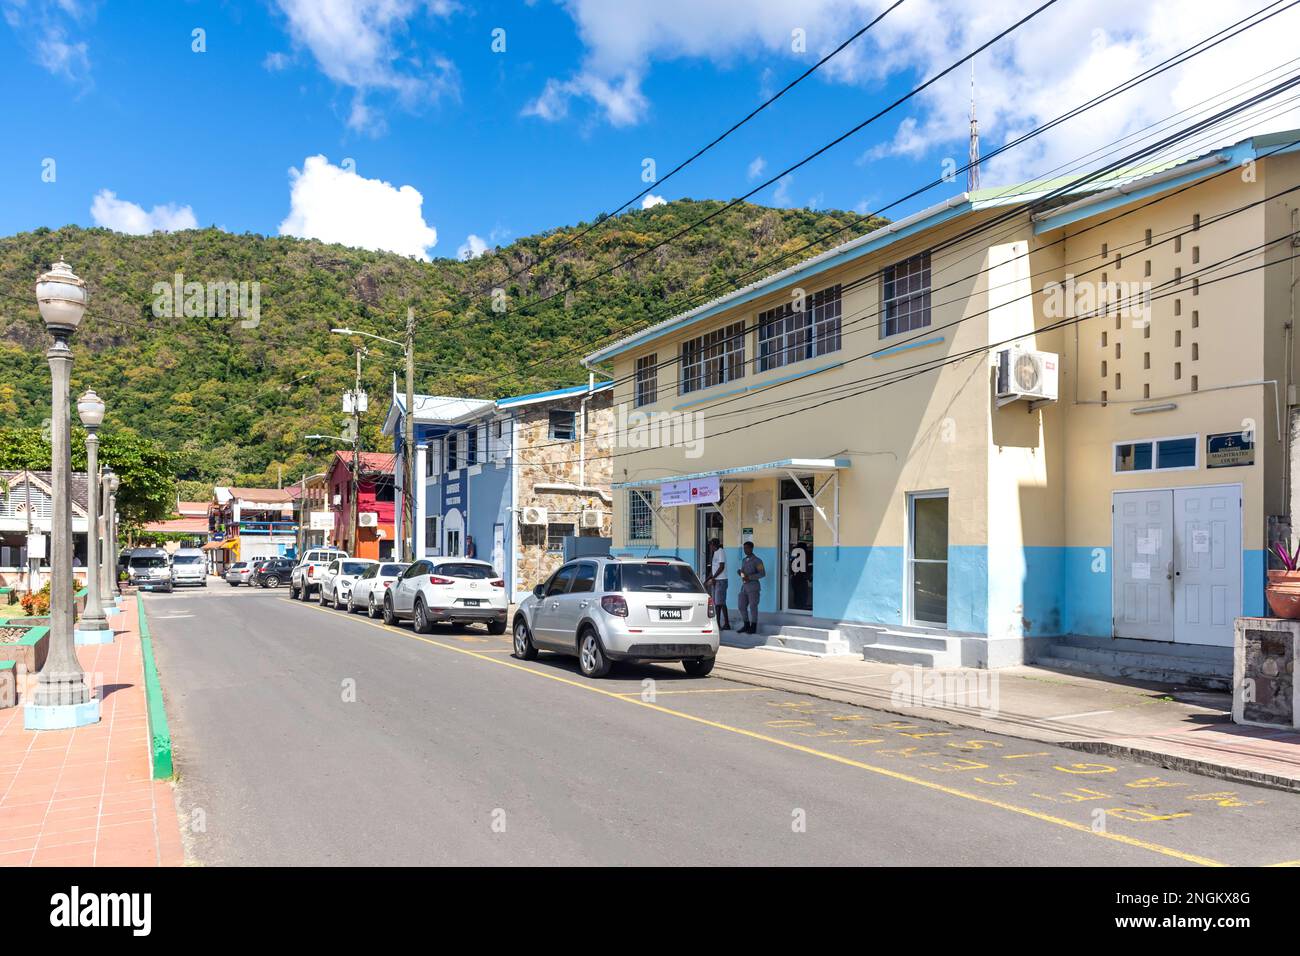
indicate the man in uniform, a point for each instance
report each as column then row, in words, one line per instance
column 751, row 573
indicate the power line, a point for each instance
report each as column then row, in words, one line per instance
column 659, row 181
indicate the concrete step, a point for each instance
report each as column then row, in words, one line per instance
column 892, row 653
column 816, row 641
column 1151, row 661
column 913, row 639
column 1116, row 668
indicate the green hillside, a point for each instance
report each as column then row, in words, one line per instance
column 234, row 403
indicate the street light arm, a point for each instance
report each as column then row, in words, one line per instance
column 370, row 335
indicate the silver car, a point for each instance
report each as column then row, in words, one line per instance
column 608, row 609
column 238, row 573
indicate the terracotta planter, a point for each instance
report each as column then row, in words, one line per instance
column 1283, row 593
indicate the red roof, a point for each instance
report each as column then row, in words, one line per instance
column 179, row 526
column 384, row 463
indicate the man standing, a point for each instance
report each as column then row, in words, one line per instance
column 751, row 573
column 718, row 583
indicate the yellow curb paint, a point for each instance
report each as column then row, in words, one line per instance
column 812, row 751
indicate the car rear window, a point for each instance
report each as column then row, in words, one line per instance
column 353, row 567
column 668, row 576
column 392, row 570
column 477, row 572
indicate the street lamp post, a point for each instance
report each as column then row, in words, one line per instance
column 94, row 627
column 62, row 698
column 108, row 565
column 111, row 483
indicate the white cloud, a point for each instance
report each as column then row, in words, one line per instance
column 756, row 167
column 365, row 45
column 333, row 204
column 650, row 200
column 781, row 192
column 112, row 213
column 473, row 247
column 44, row 27
column 275, row 62
column 1067, row 54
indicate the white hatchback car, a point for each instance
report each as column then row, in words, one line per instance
column 451, row 591
column 338, row 577
column 368, row 590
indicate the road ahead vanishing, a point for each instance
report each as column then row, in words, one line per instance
column 308, row 736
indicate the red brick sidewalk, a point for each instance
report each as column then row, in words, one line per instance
column 86, row 797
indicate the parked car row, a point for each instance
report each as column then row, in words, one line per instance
column 597, row 609
column 263, row 572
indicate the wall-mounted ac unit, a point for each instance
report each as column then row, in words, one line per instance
column 338, row 499
column 532, row 515
column 1025, row 373
column 592, row 518
column 368, row 519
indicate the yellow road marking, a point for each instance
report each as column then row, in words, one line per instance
column 812, row 751
column 706, row 690
column 1286, row 863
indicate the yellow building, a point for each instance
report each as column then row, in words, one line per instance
column 1020, row 421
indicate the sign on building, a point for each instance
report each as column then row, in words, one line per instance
column 321, row 520
column 1229, row 450
column 700, row 491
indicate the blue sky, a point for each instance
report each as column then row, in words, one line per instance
column 551, row 131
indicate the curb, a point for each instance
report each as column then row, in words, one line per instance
column 1022, row 728
column 160, row 738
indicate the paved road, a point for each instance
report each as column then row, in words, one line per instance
column 307, row 736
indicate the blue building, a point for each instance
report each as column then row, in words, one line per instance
column 508, row 481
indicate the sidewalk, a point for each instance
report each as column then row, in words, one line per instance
column 1179, row 729
column 86, row 797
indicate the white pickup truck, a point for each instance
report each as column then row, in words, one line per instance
column 305, row 577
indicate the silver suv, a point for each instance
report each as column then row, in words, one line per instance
column 609, row 609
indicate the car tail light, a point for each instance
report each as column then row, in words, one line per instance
column 712, row 610
column 499, row 583
column 311, row 571
column 614, row 604
column 388, row 584
column 434, row 579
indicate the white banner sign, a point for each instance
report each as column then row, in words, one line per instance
column 321, row 521
column 701, row 491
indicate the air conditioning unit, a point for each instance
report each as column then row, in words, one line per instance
column 532, row 515
column 1025, row 373
column 368, row 519
column 592, row 518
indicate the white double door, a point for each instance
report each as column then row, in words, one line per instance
column 1177, row 564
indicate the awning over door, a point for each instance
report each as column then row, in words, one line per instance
column 793, row 468
column 768, row 469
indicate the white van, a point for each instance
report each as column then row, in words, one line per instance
column 189, row 567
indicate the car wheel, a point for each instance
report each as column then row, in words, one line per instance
column 420, row 617
column 591, row 656
column 371, row 610
column 320, row 596
column 272, row 581
column 496, row 627
column 699, row 667
column 389, row 616
column 293, row 592
column 525, row 649
column 350, row 607
column 234, row 584
column 306, row 594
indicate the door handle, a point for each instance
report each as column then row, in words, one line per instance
column 1169, row 572
column 585, row 604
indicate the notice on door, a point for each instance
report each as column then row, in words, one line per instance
column 1200, row 541
column 1141, row 571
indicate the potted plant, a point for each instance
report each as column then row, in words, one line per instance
column 1283, row 590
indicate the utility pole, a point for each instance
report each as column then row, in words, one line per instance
column 408, row 444
column 356, row 459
